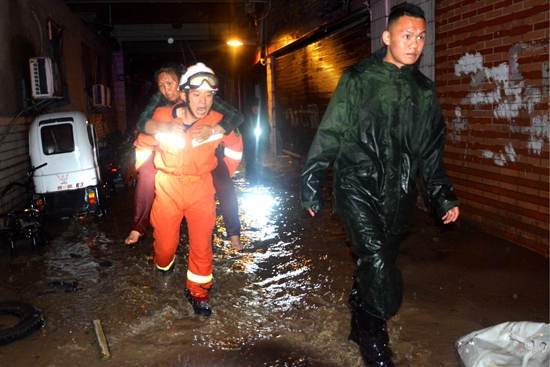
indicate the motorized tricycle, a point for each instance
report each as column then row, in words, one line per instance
column 70, row 184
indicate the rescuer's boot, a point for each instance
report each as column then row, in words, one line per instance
column 166, row 275
column 200, row 305
column 354, row 334
column 166, row 271
column 369, row 332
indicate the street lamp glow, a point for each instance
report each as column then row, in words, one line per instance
column 234, row 43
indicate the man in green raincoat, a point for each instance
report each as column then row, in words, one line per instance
column 383, row 125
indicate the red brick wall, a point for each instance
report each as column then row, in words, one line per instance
column 288, row 20
column 306, row 78
column 492, row 67
column 310, row 42
column 104, row 123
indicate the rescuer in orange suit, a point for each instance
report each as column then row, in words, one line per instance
column 183, row 184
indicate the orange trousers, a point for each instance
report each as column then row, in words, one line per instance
column 191, row 198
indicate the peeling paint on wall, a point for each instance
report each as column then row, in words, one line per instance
column 459, row 124
column 469, row 64
column 304, row 117
column 510, row 152
column 538, row 131
column 498, row 158
column 505, row 91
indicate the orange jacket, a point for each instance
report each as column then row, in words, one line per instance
column 182, row 155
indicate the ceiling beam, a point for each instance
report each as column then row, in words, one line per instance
column 161, row 32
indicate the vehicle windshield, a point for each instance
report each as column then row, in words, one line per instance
column 57, row 139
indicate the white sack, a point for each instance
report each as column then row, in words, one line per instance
column 510, row 344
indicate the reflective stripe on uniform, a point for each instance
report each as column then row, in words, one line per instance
column 171, row 139
column 142, row 155
column 213, row 137
column 233, row 154
column 200, row 279
column 167, row 267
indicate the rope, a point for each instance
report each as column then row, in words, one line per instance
column 530, row 345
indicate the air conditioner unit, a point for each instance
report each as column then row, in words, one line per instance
column 101, row 96
column 42, row 84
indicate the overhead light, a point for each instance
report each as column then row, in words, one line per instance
column 234, row 43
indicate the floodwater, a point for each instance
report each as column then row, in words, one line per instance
column 282, row 301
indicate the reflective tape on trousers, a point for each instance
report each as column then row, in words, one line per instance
column 199, row 279
column 167, row 267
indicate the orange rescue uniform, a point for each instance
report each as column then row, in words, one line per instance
column 184, row 188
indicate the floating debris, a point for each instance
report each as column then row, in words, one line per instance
column 106, row 354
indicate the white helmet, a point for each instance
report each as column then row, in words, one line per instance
column 199, row 77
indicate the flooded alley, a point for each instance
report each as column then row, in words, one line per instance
column 282, row 301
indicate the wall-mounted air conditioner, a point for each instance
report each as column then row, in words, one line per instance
column 101, row 96
column 42, row 84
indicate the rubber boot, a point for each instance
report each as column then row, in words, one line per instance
column 369, row 332
column 354, row 334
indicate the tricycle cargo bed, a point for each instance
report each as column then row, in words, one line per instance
column 68, row 203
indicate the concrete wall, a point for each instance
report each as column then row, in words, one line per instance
column 492, row 61
column 31, row 28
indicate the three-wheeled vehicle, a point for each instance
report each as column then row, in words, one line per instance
column 70, row 184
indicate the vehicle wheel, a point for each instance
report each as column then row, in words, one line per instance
column 32, row 319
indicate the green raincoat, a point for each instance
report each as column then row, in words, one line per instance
column 383, row 125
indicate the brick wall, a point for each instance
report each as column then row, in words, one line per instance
column 306, row 78
column 290, row 20
column 104, row 123
column 492, row 76
column 14, row 141
column 310, row 42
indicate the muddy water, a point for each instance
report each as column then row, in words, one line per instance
column 280, row 302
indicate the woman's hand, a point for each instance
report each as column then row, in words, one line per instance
column 204, row 132
column 174, row 127
column 201, row 133
column 153, row 127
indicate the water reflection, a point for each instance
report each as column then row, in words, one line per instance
column 277, row 286
column 282, row 301
column 257, row 204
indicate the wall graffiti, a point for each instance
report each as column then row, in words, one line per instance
column 303, row 117
column 504, row 89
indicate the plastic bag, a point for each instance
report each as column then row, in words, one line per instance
column 510, row 344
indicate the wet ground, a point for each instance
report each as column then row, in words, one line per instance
column 280, row 302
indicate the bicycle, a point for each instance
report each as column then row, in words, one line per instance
column 24, row 226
